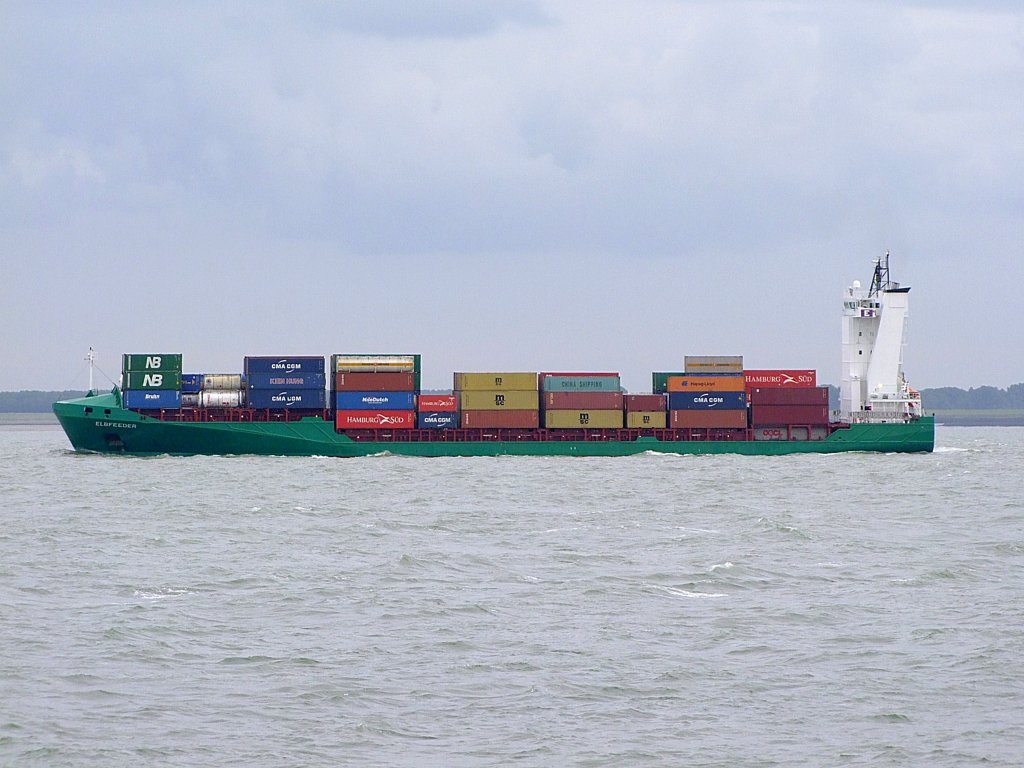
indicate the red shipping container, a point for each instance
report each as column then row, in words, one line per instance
column 781, row 378
column 437, row 403
column 645, row 402
column 788, row 396
column 375, row 419
column 362, row 381
column 519, row 419
column 582, row 401
column 734, row 419
column 788, row 414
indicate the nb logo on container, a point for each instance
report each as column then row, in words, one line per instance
column 154, row 361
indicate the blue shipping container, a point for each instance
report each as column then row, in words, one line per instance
column 438, row 420
column 279, row 399
column 191, row 383
column 140, row 399
column 289, row 380
column 376, row 401
column 269, row 364
column 706, row 401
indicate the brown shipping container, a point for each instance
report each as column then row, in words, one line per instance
column 788, row 414
column 646, row 419
column 727, row 383
column 586, row 419
column 501, row 419
column 374, row 382
column 736, row 419
column 713, row 364
column 495, row 380
column 645, row 402
column 788, row 396
column 781, row 378
column 582, row 401
column 499, row 400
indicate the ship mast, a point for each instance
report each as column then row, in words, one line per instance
column 91, row 359
column 880, row 280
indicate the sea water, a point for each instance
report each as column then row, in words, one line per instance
column 852, row 609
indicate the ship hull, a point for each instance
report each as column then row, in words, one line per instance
column 101, row 425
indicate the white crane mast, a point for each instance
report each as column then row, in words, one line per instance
column 874, row 388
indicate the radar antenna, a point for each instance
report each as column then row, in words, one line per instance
column 880, row 280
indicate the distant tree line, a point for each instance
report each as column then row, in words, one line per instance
column 975, row 398
column 33, row 401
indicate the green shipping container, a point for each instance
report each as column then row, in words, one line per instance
column 157, row 362
column 581, row 384
column 499, row 400
column 583, row 419
column 152, row 380
column 659, row 381
column 503, row 381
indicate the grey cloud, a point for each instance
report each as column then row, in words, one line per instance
column 662, row 140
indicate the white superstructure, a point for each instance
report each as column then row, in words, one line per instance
column 874, row 325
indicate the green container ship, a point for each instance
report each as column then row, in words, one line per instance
column 879, row 412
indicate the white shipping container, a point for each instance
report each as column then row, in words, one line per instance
column 222, row 381
column 221, row 398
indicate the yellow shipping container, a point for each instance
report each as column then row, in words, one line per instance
column 698, row 364
column 374, row 363
column 495, row 381
column 646, row 419
column 583, row 419
column 499, row 400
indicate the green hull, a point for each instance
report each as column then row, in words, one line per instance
column 99, row 424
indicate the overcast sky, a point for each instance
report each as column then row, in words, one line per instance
column 508, row 185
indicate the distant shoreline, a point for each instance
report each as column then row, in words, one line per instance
column 28, row 420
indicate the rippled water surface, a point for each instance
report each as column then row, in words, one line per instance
column 850, row 610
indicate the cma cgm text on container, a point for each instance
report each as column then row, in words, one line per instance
column 280, row 365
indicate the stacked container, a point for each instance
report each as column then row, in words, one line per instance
column 703, row 364
column 716, row 401
column 645, row 411
column 659, row 381
column 498, row 400
column 782, row 406
column 437, row 412
column 581, row 400
column 151, row 381
column 286, row 383
column 781, row 378
column 191, row 386
column 222, row 390
column 375, row 391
